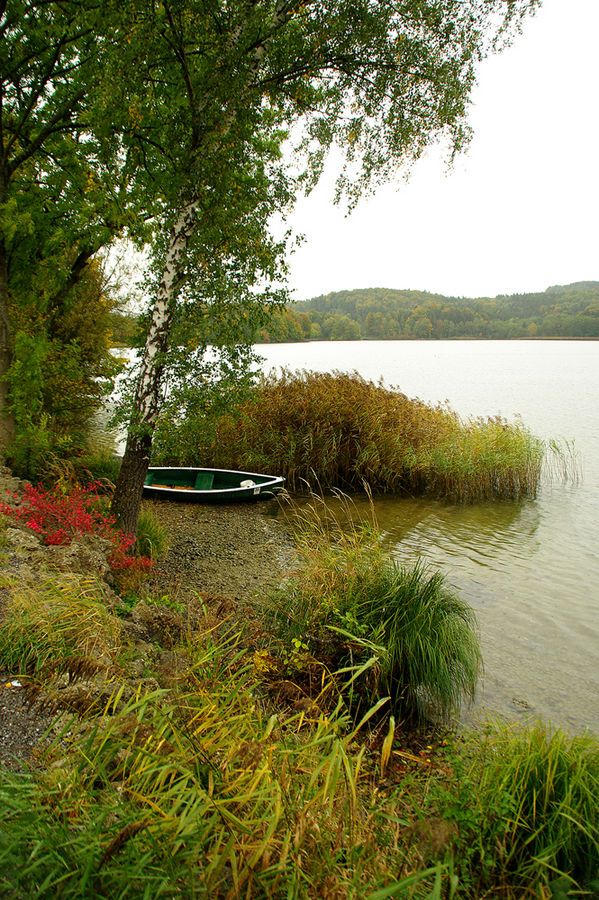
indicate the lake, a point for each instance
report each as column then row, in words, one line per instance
column 530, row 569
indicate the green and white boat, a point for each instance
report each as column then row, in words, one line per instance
column 209, row 485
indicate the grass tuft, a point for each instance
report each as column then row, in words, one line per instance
column 407, row 634
column 46, row 625
column 551, row 781
column 525, row 800
column 152, row 536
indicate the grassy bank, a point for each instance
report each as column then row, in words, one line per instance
column 339, row 430
column 203, row 790
column 286, row 753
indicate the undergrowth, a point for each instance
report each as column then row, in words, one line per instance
column 201, row 793
column 60, row 514
column 206, row 790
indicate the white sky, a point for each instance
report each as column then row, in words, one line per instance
column 519, row 211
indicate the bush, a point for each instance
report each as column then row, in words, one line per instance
column 98, row 465
column 413, row 638
column 59, row 514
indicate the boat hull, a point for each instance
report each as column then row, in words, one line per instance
column 189, row 484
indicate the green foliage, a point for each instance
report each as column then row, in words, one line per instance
column 124, row 329
column 152, row 536
column 409, row 637
column 60, row 372
column 33, row 445
column 525, row 800
column 99, row 464
column 384, row 314
column 215, row 385
column 339, row 430
column 196, row 793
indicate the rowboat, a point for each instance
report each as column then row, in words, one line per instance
column 209, row 485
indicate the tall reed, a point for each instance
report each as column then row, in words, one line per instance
column 340, row 430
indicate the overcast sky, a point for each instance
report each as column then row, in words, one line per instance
column 519, row 211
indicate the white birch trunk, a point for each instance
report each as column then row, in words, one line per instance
column 127, row 496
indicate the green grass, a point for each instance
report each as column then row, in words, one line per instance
column 204, row 790
column 198, row 793
column 48, row 624
column 549, row 782
column 339, row 430
column 352, row 606
column 152, row 536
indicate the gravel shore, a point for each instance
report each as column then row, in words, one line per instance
column 227, row 550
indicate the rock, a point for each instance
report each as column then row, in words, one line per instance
column 23, row 541
column 88, row 555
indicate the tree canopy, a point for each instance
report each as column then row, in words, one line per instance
column 568, row 311
column 168, row 121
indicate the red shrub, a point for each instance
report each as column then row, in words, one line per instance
column 58, row 516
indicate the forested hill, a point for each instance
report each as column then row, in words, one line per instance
column 562, row 311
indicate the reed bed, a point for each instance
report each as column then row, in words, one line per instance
column 341, row 431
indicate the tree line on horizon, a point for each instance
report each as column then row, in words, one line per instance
column 561, row 311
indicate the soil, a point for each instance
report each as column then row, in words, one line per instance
column 218, row 557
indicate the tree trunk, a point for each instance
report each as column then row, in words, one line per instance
column 7, row 422
column 127, row 496
column 126, row 502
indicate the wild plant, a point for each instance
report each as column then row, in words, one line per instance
column 400, row 629
column 524, row 800
column 551, row 780
column 49, row 623
column 202, row 794
column 61, row 513
column 339, row 430
column 152, row 536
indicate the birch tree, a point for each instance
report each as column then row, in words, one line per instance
column 204, row 85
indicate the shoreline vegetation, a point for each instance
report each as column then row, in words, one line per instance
column 340, row 431
column 291, row 741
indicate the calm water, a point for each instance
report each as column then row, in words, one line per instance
column 531, row 569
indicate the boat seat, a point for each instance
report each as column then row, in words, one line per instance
column 204, row 481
